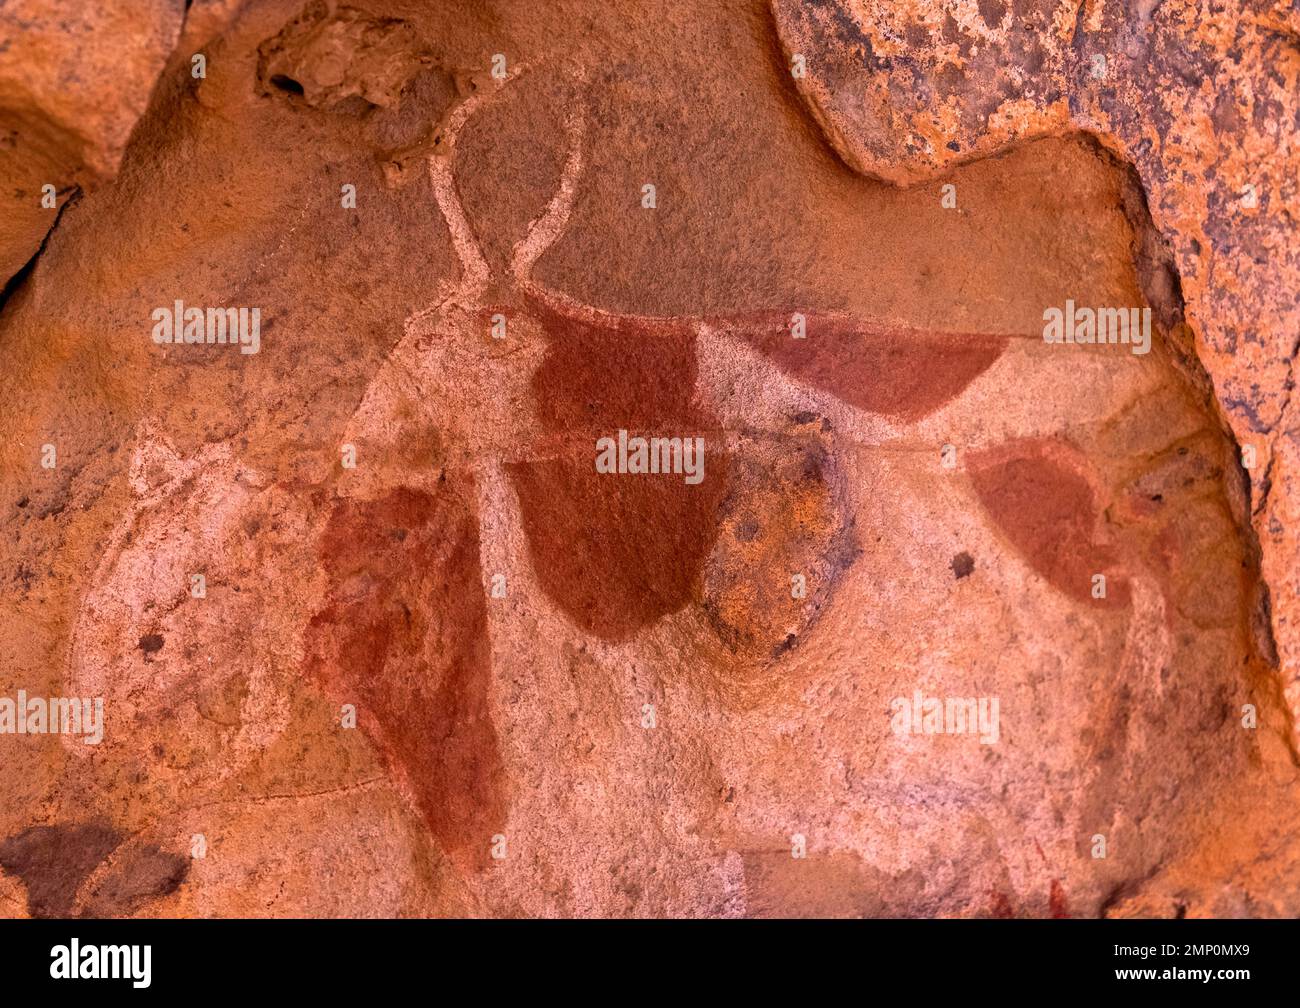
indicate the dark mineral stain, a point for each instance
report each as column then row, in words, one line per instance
column 403, row 635
column 150, row 643
column 962, row 565
column 139, row 875
column 53, row 861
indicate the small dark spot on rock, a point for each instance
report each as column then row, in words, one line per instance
column 962, row 564
column 150, row 643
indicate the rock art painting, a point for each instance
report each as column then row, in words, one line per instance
column 666, row 459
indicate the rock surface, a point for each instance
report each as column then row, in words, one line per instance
column 1204, row 109
column 74, row 78
column 377, row 634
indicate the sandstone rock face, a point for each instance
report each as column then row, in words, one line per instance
column 74, row 78
column 1205, row 110
column 382, row 612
